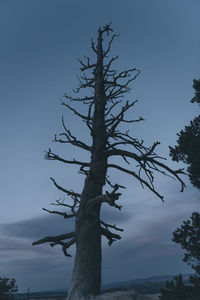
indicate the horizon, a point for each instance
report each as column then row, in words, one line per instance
column 110, row 284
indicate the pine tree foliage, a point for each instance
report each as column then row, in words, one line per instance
column 188, row 236
column 177, row 290
column 188, row 148
column 196, row 86
column 7, row 288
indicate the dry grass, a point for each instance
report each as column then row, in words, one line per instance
column 126, row 295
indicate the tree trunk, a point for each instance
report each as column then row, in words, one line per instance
column 86, row 278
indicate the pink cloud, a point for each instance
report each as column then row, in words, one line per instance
column 145, row 240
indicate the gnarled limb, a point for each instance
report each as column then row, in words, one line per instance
column 54, row 239
column 109, row 44
column 110, row 198
column 68, row 192
column 118, row 89
column 57, row 240
column 111, row 226
column 87, row 65
column 126, row 137
column 116, row 120
column 52, row 156
column 61, row 203
column 107, row 67
column 65, row 215
column 108, row 110
column 64, row 245
column 148, row 159
column 141, row 180
column 74, row 111
column 70, row 139
column 93, row 46
column 81, row 99
column 112, row 237
column 84, row 82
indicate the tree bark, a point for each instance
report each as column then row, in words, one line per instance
column 86, row 278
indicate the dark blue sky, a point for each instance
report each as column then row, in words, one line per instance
column 40, row 44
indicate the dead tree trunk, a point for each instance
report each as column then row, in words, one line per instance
column 86, row 278
column 109, row 88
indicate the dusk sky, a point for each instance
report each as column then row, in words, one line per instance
column 40, row 44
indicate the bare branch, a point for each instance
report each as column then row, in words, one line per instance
column 51, row 156
column 111, row 226
column 56, row 238
column 65, row 215
column 106, row 29
column 68, row 192
column 116, row 120
column 88, row 123
column 87, row 65
column 107, row 67
column 84, row 99
column 112, row 237
column 126, row 139
column 112, row 106
column 74, row 111
column 109, row 182
column 173, row 172
column 61, row 203
column 88, row 83
column 124, row 108
column 126, row 153
column 109, row 45
column 142, row 181
column 64, row 245
column 150, row 157
column 70, row 139
column 119, row 89
column 93, row 46
column 110, row 198
column 151, row 150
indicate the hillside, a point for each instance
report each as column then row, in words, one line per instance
column 149, row 287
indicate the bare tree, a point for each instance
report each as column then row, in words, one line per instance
column 104, row 115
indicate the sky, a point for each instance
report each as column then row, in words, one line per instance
column 40, row 44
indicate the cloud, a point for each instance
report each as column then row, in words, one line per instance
column 33, row 265
column 141, row 258
column 54, row 225
column 41, row 267
column 145, row 249
column 38, row 227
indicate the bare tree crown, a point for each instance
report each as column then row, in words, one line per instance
column 108, row 89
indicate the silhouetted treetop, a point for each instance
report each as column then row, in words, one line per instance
column 188, row 148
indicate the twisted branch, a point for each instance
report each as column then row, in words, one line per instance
column 68, row 192
column 64, row 245
column 51, row 156
column 56, row 238
column 112, row 237
column 65, row 215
